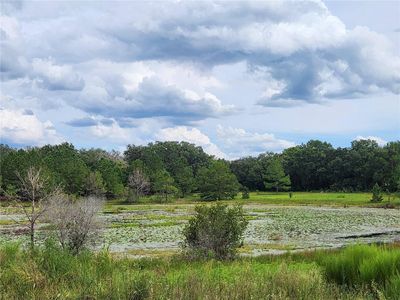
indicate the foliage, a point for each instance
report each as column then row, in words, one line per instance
column 245, row 193
column 376, row 194
column 217, row 182
column 66, row 167
column 362, row 265
column 164, row 186
column 112, row 173
column 274, row 176
column 180, row 159
column 94, row 184
column 313, row 166
column 90, row 275
column 215, row 231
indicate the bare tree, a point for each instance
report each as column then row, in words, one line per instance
column 33, row 186
column 138, row 183
column 77, row 223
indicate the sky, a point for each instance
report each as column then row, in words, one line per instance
column 237, row 78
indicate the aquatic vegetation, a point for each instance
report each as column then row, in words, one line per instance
column 294, row 228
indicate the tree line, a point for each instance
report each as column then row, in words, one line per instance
column 317, row 166
column 177, row 169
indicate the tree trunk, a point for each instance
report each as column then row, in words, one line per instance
column 32, row 234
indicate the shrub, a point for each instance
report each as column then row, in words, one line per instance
column 245, row 193
column 76, row 222
column 376, row 194
column 215, row 231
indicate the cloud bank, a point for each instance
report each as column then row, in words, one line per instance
column 131, row 64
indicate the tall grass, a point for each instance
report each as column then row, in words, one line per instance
column 51, row 273
column 365, row 265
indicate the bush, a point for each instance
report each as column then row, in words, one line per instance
column 76, row 222
column 376, row 194
column 215, row 231
column 245, row 193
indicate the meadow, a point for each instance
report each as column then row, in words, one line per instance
column 356, row 272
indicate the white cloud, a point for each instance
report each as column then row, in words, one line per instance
column 175, row 63
column 56, row 77
column 190, row 135
column 112, row 132
column 16, row 126
column 238, row 142
column 381, row 142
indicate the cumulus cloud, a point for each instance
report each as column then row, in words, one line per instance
column 381, row 142
column 56, row 77
column 152, row 98
column 20, row 127
column 238, row 142
column 161, row 61
column 300, row 44
column 190, row 135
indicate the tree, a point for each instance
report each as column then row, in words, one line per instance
column 376, row 193
column 274, row 176
column 76, row 222
column 248, row 171
column 215, row 231
column 138, row 183
column 95, row 185
column 163, row 185
column 217, row 182
column 184, row 180
column 111, row 172
column 306, row 165
column 66, row 167
column 33, row 189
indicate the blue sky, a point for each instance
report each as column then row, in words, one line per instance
column 237, row 78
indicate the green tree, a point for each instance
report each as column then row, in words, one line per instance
column 306, row 165
column 249, row 172
column 376, row 193
column 185, row 181
column 111, row 172
column 217, row 182
column 275, row 177
column 215, row 231
column 66, row 167
column 94, row 184
column 164, row 186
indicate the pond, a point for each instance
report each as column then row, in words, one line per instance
column 272, row 229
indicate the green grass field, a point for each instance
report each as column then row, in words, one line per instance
column 308, row 198
column 281, row 198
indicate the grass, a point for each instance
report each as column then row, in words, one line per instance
column 116, row 206
column 281, row 198
column 319, row 199
column 7, row 222
column 363, row 265
column 50, row 273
